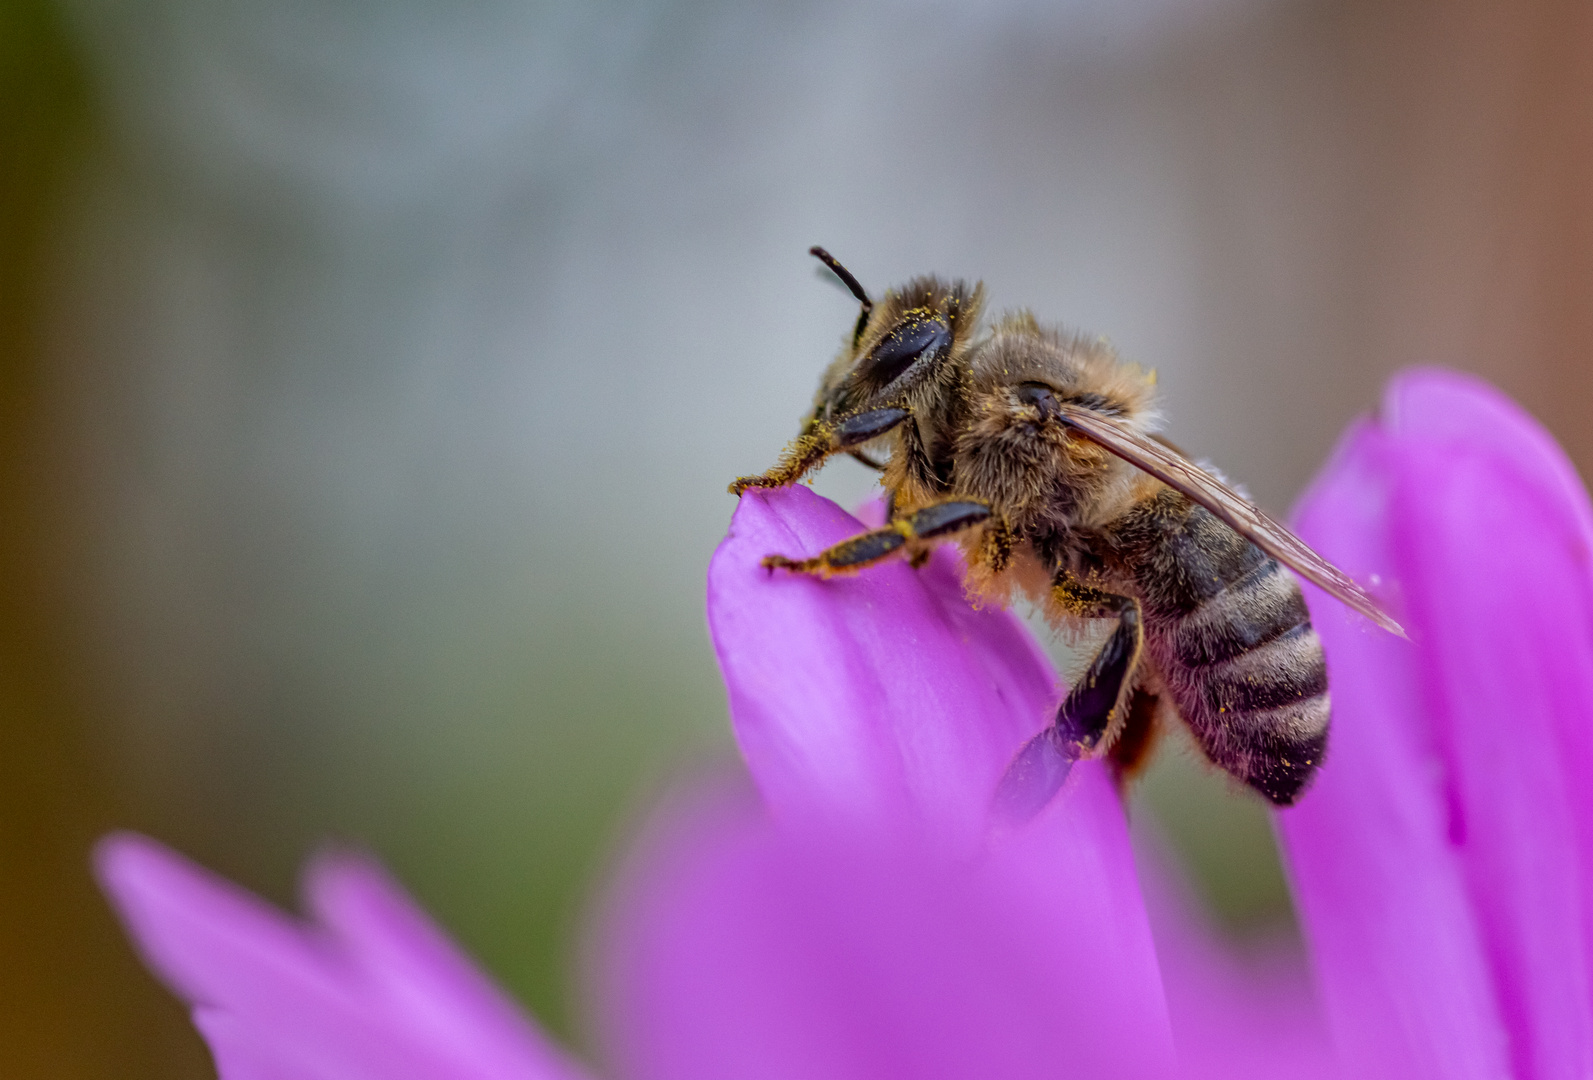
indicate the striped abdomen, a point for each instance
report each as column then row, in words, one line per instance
column 1230, row 633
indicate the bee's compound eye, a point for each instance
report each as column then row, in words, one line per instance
column 903, row 346
column 1040, row 396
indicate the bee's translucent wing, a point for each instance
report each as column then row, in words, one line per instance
column 1177, row 471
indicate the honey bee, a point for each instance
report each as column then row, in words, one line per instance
column 1035, row 450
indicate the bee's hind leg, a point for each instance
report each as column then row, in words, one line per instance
column 1097, row 704
column 934, row 522
column 1093, row 713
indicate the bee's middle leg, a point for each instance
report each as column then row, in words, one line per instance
column 934, row 522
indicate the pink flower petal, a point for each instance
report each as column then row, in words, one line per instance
column 1442, row 864
column 741, row 950
column 884, row 694
column 1494, row 542
column 1239, row 1011
column 282, row 1000
column 421, row 977
column 1396, row 948
column 241, row 1053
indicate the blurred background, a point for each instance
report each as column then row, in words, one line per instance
column 370, row 377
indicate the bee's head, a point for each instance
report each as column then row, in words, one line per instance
column 907, row 343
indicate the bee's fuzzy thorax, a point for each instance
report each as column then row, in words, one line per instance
column 1041, row 477
column 1020, row 349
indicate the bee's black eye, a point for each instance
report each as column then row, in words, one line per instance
column 903, row 346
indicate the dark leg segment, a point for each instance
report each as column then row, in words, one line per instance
column 1091, row 706
column 932, row 522
column 822, row 439
column 851, row 554
column 859, row 429
column 942, row 519
column 1095, row 706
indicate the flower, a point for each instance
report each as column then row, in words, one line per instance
column 1442, row 866
column 373, row 989
column 862, row 916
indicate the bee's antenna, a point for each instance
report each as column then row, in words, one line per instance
column 850, row 282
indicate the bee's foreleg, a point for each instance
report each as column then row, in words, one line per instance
column 809, row 450
column 934, row 522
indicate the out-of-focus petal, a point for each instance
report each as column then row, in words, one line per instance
column 282, row 1000
column 422, row 978
column 243, row 1054
column 739, row 950
column 1249, row 1015
column 1398, row 955
column 1441, row 864
column 883, row 694
column 1551, row 578
column 1239, row 1011
column 1495, row 552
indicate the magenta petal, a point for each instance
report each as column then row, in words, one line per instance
column 279, row 999
column 1441, row 864
column 421, row 977
column 742, row 951
column 1380, row 891
column 1237, row 1014
column 883, row 694
column 243, row 1054
column 1494, row 544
